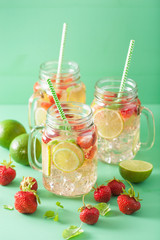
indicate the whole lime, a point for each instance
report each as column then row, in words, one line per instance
column 135, row 170
column 19, row 149
column 9, row 129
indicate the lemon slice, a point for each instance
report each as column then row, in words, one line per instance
column 40, row 116
column 76, row 93
column 109, row 123
column 67, row 156
column 135, row 170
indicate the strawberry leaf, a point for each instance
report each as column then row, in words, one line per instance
column 49, row 214
column 103, row 208
column 71, row 232
column 59, row 204
column 8, row 207
column 56, row 218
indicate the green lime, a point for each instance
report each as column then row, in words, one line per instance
column 9, row 129
column 135, row 170
column 19, row 149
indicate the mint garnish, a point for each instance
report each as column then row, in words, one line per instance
column 103, row 208
column 71, row 232
column 8, row 207
column 53, row 215
column 59, row 204
column 49, row 214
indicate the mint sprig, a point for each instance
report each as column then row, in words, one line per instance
column 59, row 204
column 53, row 214
column 72, row 231
column 8, row 207
column 103, row 208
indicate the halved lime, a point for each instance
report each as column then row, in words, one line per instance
column 40, row 116
column 108, row 122
column 135, row 170
column 67, row 156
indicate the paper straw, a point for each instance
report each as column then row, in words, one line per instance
column 61, row 52
column 57, row 101
column 126, row 67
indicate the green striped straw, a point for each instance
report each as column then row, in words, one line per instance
column 59, row 107
column 61, row 52
column 126, row 68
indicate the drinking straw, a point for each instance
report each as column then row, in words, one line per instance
column 61, row 52
column 126, row 67
column 59, row 107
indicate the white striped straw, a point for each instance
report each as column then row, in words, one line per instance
column 61, row 52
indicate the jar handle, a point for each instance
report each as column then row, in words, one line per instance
column 31, row 105
column 151, row 129
column 33, row 136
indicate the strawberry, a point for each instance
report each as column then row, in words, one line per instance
column 89, row 214
column 29, row 182
column 102, row 193
column 26, row 201
column 47, row 137
column 87, row 139
column 7, row 173
column 90, row 153
column 128, row 203
column 129, row 109
column 116, row 186
column 45, row 105
column 36, row 87
column 51, row 99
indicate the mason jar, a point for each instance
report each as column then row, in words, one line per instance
column 68, row 87
column 69, row 150
column 117, row 117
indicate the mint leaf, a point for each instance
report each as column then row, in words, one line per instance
column 103, row 208
column 59, row 204
column 71, row 232
column 56, row 218
column 8, row 207
column 49, row 214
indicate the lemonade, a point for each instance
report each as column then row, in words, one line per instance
column 69, row 88
column 69, row 151
column 118, row 120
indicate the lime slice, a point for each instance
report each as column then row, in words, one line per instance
column 40, row 116
column 135, row 170
column 109, row 123
column 67, row 156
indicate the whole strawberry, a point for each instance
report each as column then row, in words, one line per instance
column 30, row 183
column 26, row 201
column 89, row 214
column 116, row 186
column 102, row 193
column 128, row 203
column 7, row 173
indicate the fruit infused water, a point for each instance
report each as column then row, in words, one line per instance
column 69, row 150
column 118, row 120
column 68, row 88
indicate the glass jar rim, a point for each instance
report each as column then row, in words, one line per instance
column 111, row 87
column 83, row 111
column 49, row 68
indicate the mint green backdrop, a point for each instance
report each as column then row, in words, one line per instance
column 98, row 37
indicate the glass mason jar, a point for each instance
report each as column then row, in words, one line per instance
column 117, row 117
column 69, row 88
column 69, row 150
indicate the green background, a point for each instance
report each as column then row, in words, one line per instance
column 97, row 39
